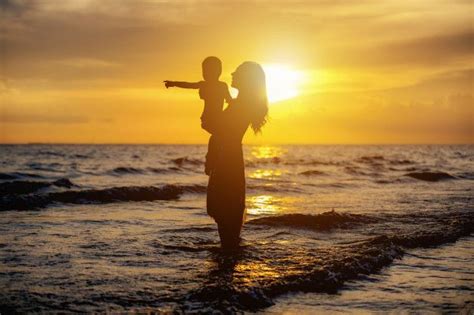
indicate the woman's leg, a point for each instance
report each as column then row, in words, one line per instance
column 229, row 234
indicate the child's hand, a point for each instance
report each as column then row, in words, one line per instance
column 168, row 83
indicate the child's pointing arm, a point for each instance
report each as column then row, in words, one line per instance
column 182, row 84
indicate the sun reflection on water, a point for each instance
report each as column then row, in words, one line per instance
column 255, row 270
column 263, row 204
column 265, row 174
column 266, row 152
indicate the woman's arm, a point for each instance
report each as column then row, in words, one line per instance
column 233, row 122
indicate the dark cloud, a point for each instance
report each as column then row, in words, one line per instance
column 437, row 86
column 427, row 51
column 38, row 47
column 436, row 49
column 133, row 33
column 15, row 7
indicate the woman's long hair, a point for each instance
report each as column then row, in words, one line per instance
column 254, row 89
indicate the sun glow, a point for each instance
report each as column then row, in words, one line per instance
column 263, row 204
column 282, row 82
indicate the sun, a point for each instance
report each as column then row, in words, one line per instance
column 282, row 82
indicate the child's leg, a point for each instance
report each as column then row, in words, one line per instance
column 211, row 155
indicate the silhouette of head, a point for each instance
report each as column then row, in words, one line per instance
column 249, row 79
column 211, row 68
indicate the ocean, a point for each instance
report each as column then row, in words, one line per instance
column 119, row 228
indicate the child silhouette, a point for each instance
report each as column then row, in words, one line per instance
column 213, row 92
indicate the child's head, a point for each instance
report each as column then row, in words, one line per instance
column 211, row 68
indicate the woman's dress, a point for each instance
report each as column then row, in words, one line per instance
column 226, row 188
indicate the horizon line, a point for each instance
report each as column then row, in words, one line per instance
column 251, row 144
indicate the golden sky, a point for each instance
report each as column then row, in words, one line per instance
column 368, row 71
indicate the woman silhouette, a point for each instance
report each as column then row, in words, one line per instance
column 226, row 188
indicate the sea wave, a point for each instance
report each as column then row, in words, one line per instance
column 466, row 175
column 79, row 156
column 290, row 162
column 181, row 161
column 434, row 229
column 309, row 275
column 49, row 167
column 324, row 221
column 312, row 173
column 314, row 162
column 128, row 170
column 18, row 175
column 430, row 176
column 50, row 153
column 325, row 271
column 157, row 170
column 274, row 188
column 108, row 195
column 371, row 159
column 355, row 170
column 25, row 187
column 380, row 160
